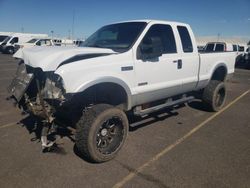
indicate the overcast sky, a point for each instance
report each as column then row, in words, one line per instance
column 207, row 18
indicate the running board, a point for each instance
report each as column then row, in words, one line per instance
column 168, row 104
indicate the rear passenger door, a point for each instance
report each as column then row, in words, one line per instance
column 158, row 77
column 189, row 58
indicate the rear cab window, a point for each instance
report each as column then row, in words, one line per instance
column 219, row 47
column 235, row 48
column 209, row 47
column 186, row 41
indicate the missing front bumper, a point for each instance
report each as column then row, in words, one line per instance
column 20, row 82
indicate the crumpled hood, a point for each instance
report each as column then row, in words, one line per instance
column 49, row 58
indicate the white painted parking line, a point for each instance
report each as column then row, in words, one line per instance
column 131, row 175
column 2, row 70
column 8, row 125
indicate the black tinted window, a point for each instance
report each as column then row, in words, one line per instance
column 166, row 36
column 14, row 40
column 219, row 48
column 186, row 41
column 241, row 49
column 234, row 48
column 209, row 47
column 2, row 37
column 32, row 41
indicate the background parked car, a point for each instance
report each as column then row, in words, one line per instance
column 34, row 42
column 8, row 45
column 247, row 58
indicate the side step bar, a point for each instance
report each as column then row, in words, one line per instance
column 168, row 104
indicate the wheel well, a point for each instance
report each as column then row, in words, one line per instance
column 108, row 93
column 219, row 74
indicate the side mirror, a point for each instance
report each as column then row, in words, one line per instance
column 150, row 48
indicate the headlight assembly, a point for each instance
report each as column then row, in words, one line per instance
column 54, row 86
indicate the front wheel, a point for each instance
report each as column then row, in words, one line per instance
column 214, row 95
column 101, row 132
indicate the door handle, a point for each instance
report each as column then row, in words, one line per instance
column 179, row 63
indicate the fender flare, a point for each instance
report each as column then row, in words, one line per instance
column 109, row 79
column 222, row 64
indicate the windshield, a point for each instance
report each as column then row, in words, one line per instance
column 32, row 41
column 118, row 37
column 2, row 37
column 6, row 39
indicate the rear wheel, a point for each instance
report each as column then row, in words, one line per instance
column 101, row 132
column 214, row 95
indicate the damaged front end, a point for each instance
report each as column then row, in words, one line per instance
column 38, row 93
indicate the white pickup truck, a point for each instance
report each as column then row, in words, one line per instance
column 135, row 66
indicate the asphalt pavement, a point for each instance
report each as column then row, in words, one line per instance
column 187, row 147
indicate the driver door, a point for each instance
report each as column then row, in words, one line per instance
column 158, row 77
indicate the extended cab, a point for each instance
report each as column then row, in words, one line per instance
column 136, row 66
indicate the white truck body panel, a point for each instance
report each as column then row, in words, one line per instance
column 210, row 61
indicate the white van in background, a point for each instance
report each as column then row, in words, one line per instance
column 2, row 38
column 4, row 35
column 8, row 44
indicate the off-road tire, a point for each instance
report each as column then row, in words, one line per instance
column 214, row 95
column 88, row 129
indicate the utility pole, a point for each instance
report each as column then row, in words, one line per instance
column 52, row 34
column 73, row 25
column 69, row 33
column 218, row 37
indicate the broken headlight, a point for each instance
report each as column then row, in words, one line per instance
column 54, row 86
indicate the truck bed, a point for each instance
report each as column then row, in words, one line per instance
column 210, row 61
